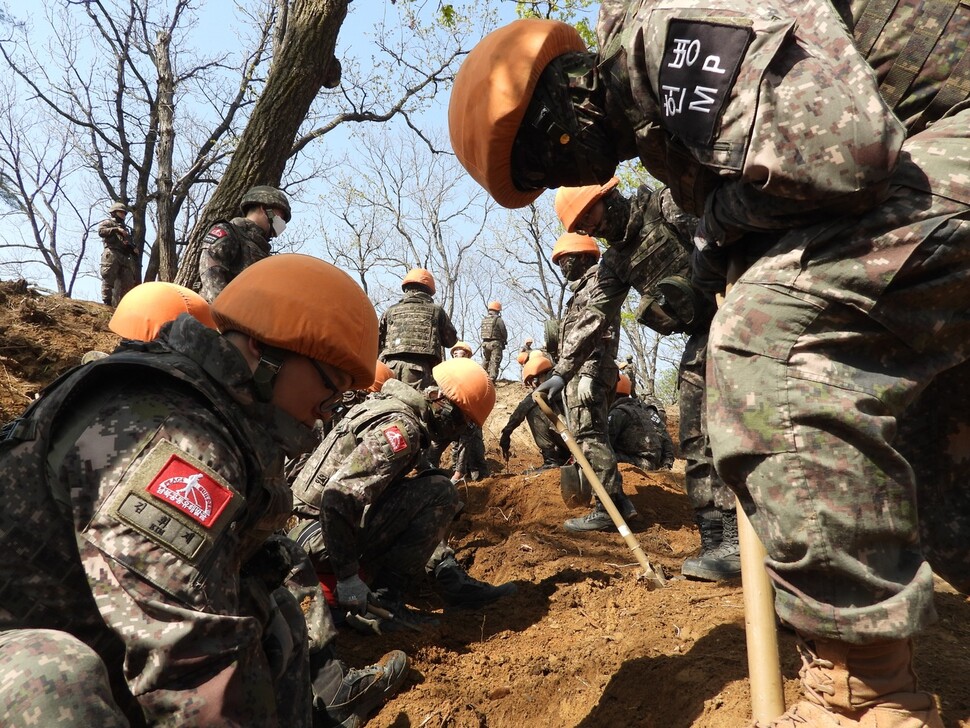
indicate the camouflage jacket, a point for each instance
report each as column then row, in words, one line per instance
column 375, row 445
column 415, row 325
column 636, row 429
column 167, row 476
column 588, row 345
column 227, row 250
column 739, row 106
column 116, row 236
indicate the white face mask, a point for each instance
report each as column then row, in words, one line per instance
column 276, row 222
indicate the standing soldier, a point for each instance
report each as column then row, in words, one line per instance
column 231, row 246
column 468, row 454
column 153, row 596
column 587, row 397
column 358, row 509
column 843, row 331
column 648, row 238
column 415, row 331
column 494, row 339
column 119, row 261
column 524, row 351
column 638, row 434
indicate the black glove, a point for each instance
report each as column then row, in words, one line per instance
column 552, row 387
column 504, row 443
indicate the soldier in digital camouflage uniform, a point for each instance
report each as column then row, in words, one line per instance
column 551, row 446
column 119, row 260
column 649, row 238
column 140, row 582
column 638, row 435
column 495, row 337
column 231, row 246
column 356, row 507
column 415, row 331
column 765, row 120
column 587, row 396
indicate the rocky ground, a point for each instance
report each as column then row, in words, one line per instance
column 583, row 642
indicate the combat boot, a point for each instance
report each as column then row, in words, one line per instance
column 359, row 692
column 720, row 556
column 458, row 589
column 859, row 686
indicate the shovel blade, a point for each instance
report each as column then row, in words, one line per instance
column 574, row 487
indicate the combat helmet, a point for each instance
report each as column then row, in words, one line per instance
column 574, row 243
column 118, row 207
column 143, row 311
column 268, row 197
column 573, row 202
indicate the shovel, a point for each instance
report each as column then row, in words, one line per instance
column 653, row 578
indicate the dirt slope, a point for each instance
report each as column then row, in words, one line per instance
column 582, row 643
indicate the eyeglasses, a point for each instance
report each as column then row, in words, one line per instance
column 334, row 400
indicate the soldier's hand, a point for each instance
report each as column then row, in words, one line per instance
column 585, row 391
column 353, row 594
column 552, row 387
column 505, row 444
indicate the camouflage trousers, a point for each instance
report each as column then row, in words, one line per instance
column 550, row 444
column 492, row 352
column 400, row 532
column 468, row 454
column 590, row 427
column 415, row 372
column 704, row 486
column 118, row 275
column 50, row 678
column 839, row 414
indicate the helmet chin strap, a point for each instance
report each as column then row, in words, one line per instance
column 264, row 377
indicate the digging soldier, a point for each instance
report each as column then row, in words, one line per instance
column 587, row 396
column 649, row 238
column 495, row 337
column 856, row 337
column 359, row 512
column 119, row 260
column 231, row 246
column 153, row 594
column 553, row 450
column 415, row 331
column 637, row 432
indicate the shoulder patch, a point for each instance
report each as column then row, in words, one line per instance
column 218, row 232
column 395, row 438
column 700, row 64
column 177, row 502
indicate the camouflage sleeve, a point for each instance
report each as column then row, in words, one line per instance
column 519, row 413
column 666, row 443
column 385, row 454
column 220, row 251
column 791, row 118
column 382, row 333
column 158, row 488
column 446, row 329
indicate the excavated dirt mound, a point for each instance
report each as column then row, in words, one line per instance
column 582, row 643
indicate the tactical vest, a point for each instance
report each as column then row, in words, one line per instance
column 490, row 327
column 42, row 581
column 640, row 436
column 920, row 51
column 659, row 253
column 412, row 328
column 309, row 484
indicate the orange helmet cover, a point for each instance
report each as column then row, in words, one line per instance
column 145, row 308
column 491, row 93
column 422, row 276
column 624, row 385
column 574, row 243
column 535, row 366
column 465, row 383
column 307, row 306
column 573, row 202
column 381, row 375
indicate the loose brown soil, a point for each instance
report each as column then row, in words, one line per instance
column 582, row 643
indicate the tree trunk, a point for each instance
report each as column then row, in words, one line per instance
column 304, row 64
column 165, row 242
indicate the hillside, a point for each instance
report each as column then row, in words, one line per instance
column 582, row 643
